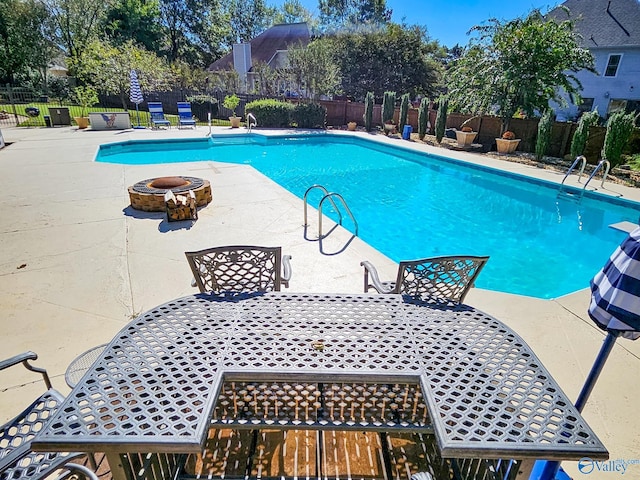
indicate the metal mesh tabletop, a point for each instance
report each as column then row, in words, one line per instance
column 320, row 361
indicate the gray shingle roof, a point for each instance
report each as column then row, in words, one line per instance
column 265, row 45
column 604, row 23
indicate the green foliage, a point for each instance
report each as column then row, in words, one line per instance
column 518, row 65
column 231, row 102
column 270, row 113
column 85, row 97
column 544, row 134
column 423, row 117
column 581, row 135
column 309, row 115
column 368, row 111
column 201, row 105
column 441, row 118
column 336, row 14
column 109, row 69
column 313, row 69
column 137, row 20
column 24, row 46
column 388, row 106
column 394, row 57
column 619, row 129
column 404, row 111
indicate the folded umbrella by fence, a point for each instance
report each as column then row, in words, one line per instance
column 135, row 93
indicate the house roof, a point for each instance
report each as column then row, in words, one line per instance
column 604, row 23
column 268, row 43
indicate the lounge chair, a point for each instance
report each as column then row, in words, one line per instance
column 185, row 116
column 157, row 115
column 443, row 278
column 17, row 460
column 239, row 269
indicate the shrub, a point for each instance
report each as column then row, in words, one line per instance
column 201, row 104
column 423, row 118
column 309, row 115
column 388, row 106
column 441, row 118
column 368, row 111
column 619, row 128
column 404, row 110
column 581, row 135
column 544, row 134
column 270, row 113
column 85, row 97
column 231, row 102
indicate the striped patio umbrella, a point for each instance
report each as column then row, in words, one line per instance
column 614, row 307
column 135, row 93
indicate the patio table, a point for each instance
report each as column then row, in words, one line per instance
column 186, row 366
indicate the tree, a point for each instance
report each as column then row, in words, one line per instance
column 137, row 20
column 395, row 57
column 619, row 129
column 313, row 69
column 441, row 118
column 76, row 24
column 520, row 64
column 335, row 14
column 581, row 135
column 108, row 68
column 249, row 18
column 368, row 111
column 24, row 45
column 544, row 134
column 404, row 111
column 388, row 106
column 423, row 118
column 292, row 11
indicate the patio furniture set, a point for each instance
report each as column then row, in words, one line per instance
column 244, row 381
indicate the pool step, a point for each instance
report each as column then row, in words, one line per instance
column 627, row 227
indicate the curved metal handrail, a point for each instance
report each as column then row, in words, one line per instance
column 573, row 165
column 251, row 121
column 607, row 165
column 329, row 196
column 326, row 192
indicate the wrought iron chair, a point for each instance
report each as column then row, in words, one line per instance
column 17, row 460
column 446, row 278
column 239, row 268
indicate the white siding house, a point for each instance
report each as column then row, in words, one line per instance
column 610, row 29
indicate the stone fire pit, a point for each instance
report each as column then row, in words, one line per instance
column 148, row 195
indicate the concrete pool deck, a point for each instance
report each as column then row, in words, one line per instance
column 77, row 264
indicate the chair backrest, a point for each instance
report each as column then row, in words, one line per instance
column 156, row 110
column 17, row 460
column 447, row 278
column 238, row 268
column 184, row 111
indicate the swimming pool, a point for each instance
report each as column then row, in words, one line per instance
column 410, row 204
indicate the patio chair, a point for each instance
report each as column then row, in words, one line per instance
column 239, row 268
column 156, row 113
column 17, row 460
column 446, row 278
column 185, row 116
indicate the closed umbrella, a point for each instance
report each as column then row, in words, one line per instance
column 614, row 307
column 135, row 94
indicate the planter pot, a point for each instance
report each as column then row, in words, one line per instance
column 352, row 126
column 465, row 138
column 389, row 128
column 507, row 146
column 235, row 122
column 83, row 122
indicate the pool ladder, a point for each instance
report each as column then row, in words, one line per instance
column 601, row 164
column 251, row 121
column 328, row 196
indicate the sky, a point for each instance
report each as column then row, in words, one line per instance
column 449, row 21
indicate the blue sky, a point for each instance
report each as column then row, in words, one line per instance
column 449, row 21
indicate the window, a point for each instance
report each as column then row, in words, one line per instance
column 585, row 106
column 612, row 65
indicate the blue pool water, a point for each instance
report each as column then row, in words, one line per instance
column 411, row 205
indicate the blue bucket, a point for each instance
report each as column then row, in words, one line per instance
column 406, row 133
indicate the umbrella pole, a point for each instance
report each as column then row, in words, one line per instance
column 138, row 114
column 551, row 468
column 605, row 350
